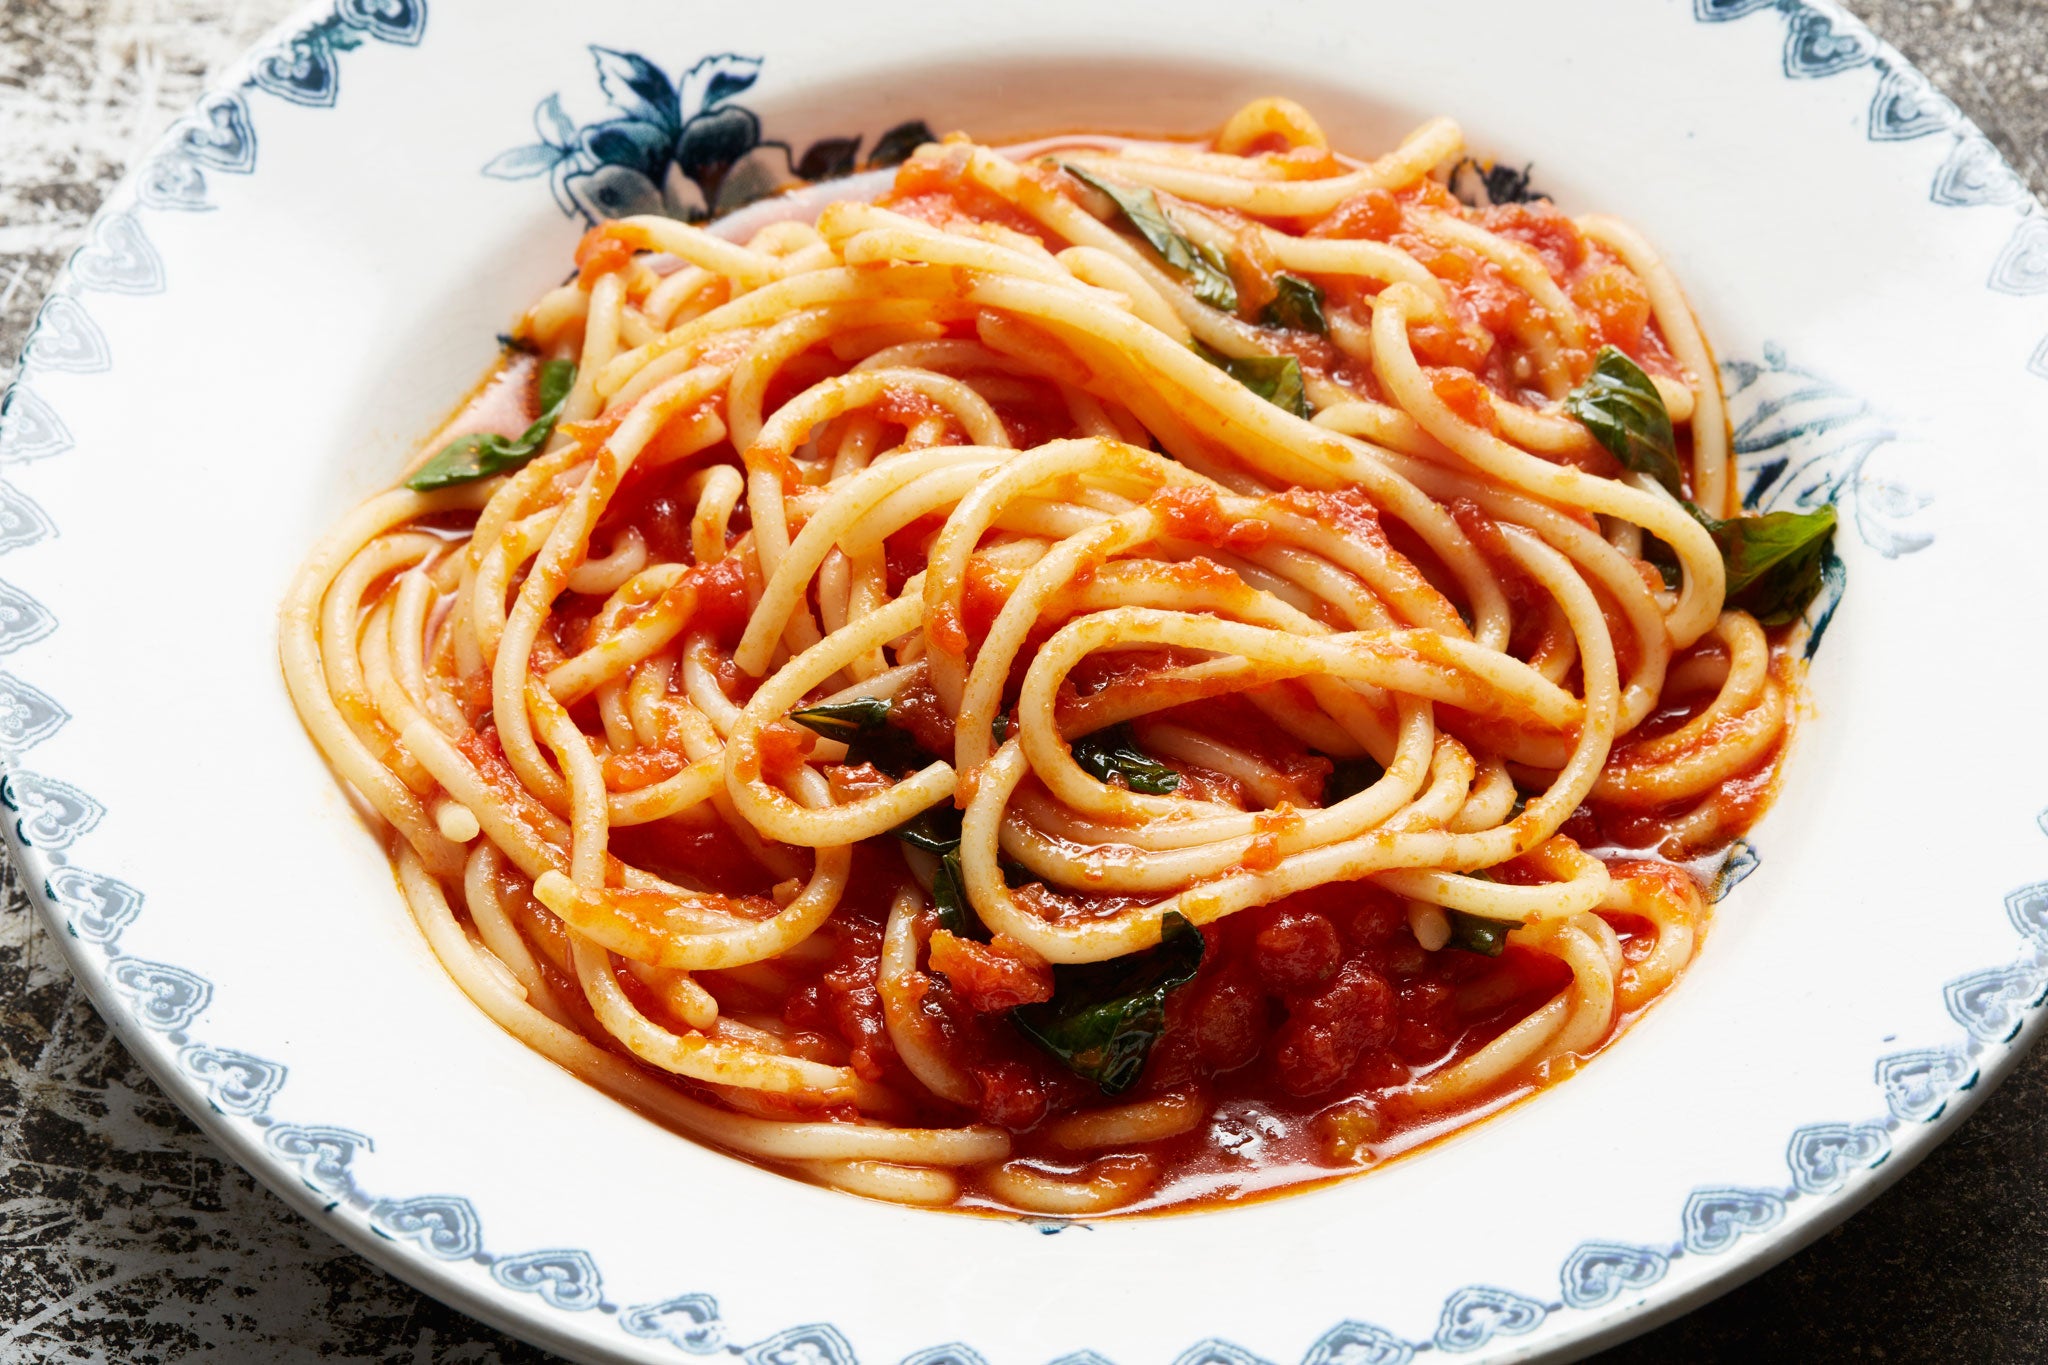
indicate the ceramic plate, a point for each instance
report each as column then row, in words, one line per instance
column 294, row 287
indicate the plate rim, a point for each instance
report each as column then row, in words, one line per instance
column 529, row 1317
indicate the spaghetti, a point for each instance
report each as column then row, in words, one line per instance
column 1119, row 674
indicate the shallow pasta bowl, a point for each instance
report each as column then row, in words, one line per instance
column 284, row 298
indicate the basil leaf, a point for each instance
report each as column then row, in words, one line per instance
column 1109, row 752
column 1208, row 275
column 1774, row 560
column 843, row 720
column 481, row 455
column 1350, row 777
column 1620, row 405
column 935, row 829
column 1275, row 378
column 1298, row 305
column 1479, row 934
column 1000, row 727
column 1104, row 1016
column 949, row 896
column 862, row 725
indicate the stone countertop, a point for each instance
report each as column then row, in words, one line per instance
column 126, row 1235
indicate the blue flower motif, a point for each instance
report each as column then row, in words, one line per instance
column 1917, row 1085
column 1216, row 1351
column 444, row 1225
column 28, row 715
column 566, row 1279
column 322, row 1153
column 817, row 1343
column 952, row 1353
column 29, row 428
column 236, row 1083
column 683, row 147
column 22, row 522
column 688, row 1321
column 2027, row 907
column 1715, row 1219
column 1824, row 1155
column 1478, row 1313
column 1358, row 1343
column 96, row 908
column 1599, row 1272
column 1992, row 1004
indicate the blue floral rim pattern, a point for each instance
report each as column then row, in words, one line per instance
column 1800, row 440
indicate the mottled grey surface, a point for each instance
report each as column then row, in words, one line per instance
column 126, row 1235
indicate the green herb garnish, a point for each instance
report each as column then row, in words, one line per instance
column 1350, row 777
column 1275, row 378
column 1479, row 933
column 1774, row 560
column 1298, row 305
column 480, row 455
column 1208, row 275
column 1620, row 405
column 1104, row 1016
column 862, row 725
column 1110, row 753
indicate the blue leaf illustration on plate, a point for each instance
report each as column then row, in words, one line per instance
column 171, row 181
column 565, row 1279
column 1741, row 860
column 1478, row 1313
column 1975, row 174
column 1917, row 1085
column 29, row 428
column 321, row 1154
column 2037, row 363
column 236, row 1083
column 1803, row 440
column 163, row 997
column 444, row 1225
column 22, row 522
column 1359, row 1343
column 27, row 715
column 1599, row 1272
column 1906, row 106
column 688, row 1321
column 48, row 814
column 1815, row 47
column 1824, row 1155
column 1714, row 1219
column 119, row 258
column 2022, row 267
column 304, row 70
column 952, row 1353
column 64, row 338
column 1721, row 11
column 390, row 21
column 818, row 1343
column 2027, row 907
column 23, row 620
column 97, row 908
column 1992, row 1004
column 1216, row 1351
column 220, row 135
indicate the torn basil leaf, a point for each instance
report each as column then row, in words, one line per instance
column 1479, row 933
column 1297, row 305
column 843, row 720
column 1620, row 405
column 949, row 897
column 1275, row 378
column 862, row 725
column 1104, row 1016
column 1208, row 276
column 1774, row 560
column 482, row 454
column 1350, row 777
column 935, row 829
column 1110, row 753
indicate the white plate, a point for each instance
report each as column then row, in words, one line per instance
column 294, row 287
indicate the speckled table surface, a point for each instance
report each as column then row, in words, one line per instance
column 126, row 1235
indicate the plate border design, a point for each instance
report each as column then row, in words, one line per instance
column 45, row 816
